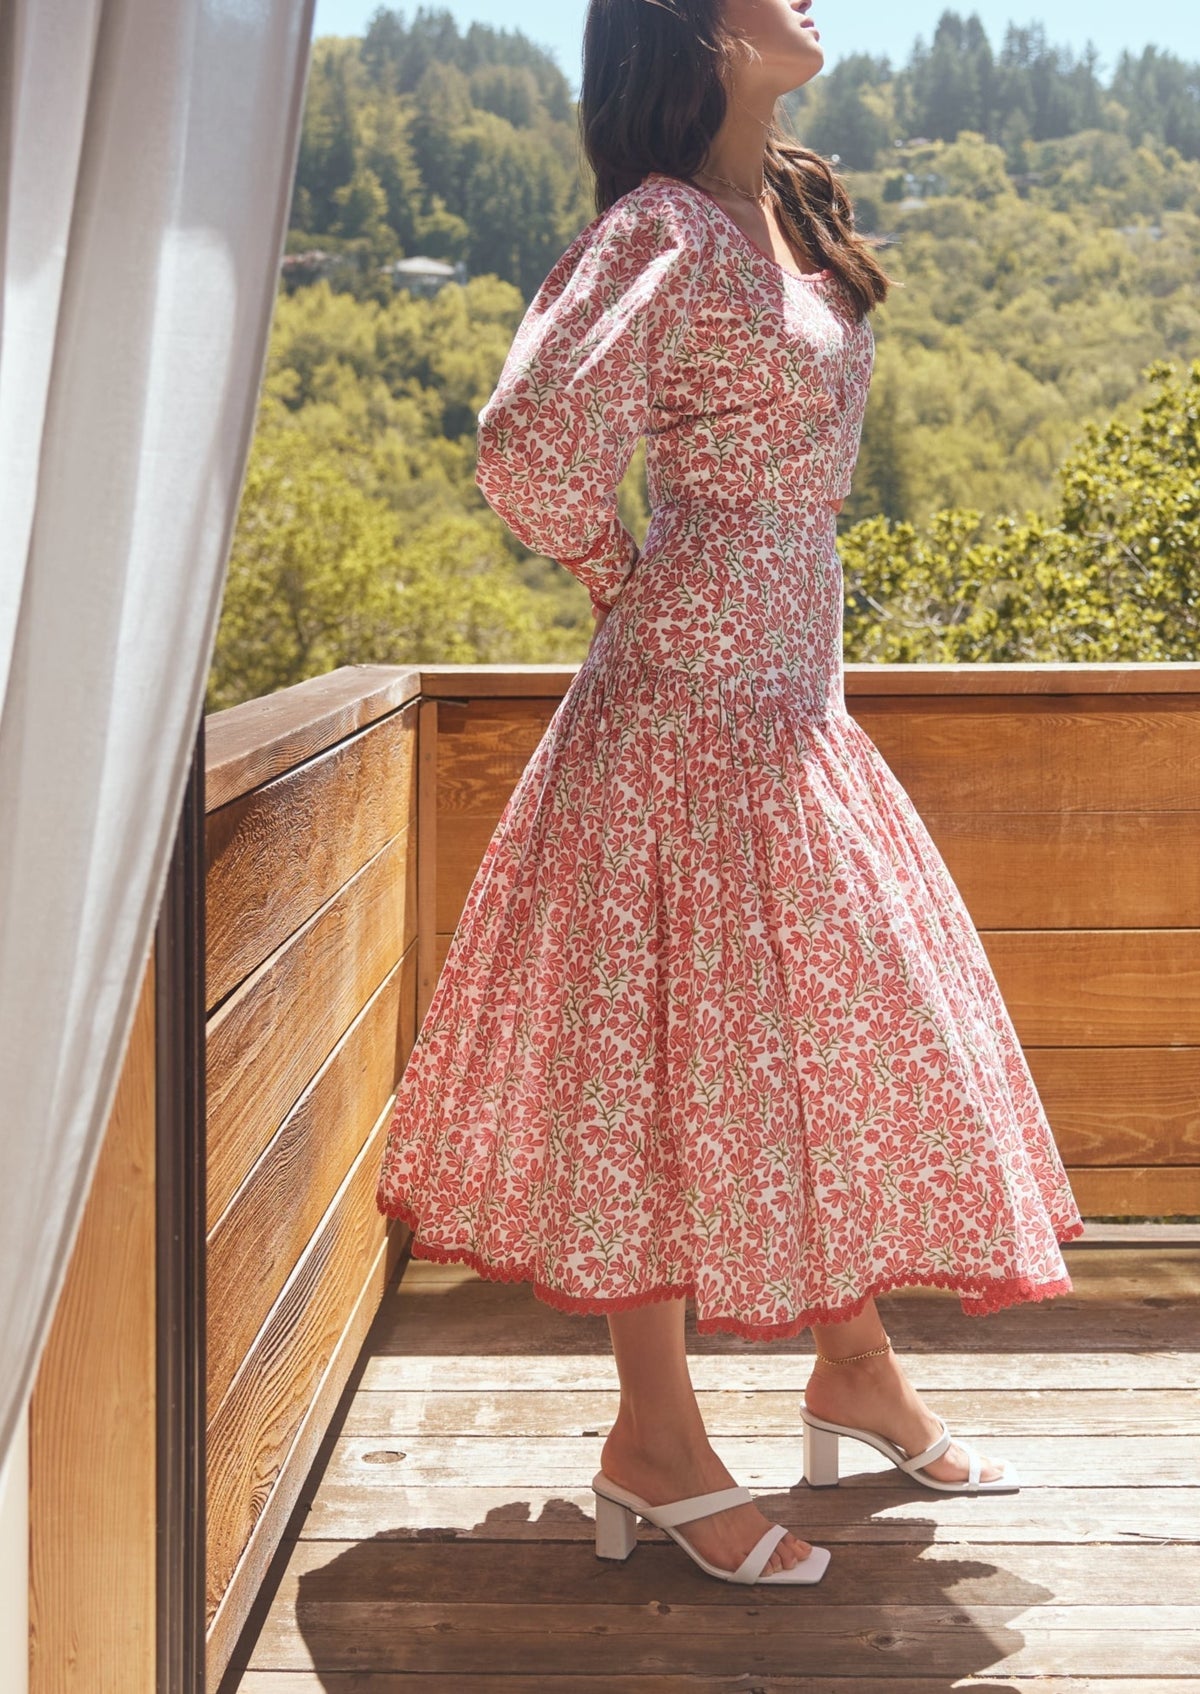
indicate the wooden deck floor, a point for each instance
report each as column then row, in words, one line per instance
column 445, row 1539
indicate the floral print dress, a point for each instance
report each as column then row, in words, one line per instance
column 715, row 1020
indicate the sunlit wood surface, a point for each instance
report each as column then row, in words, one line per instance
column 311, row 929
column 444, row 1539
column 92, row 1474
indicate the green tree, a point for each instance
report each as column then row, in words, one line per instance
column 1113, row 575
column 848, row 115
column 323, row 574
column 328, row 151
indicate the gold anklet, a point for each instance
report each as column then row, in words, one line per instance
column 851, row 1357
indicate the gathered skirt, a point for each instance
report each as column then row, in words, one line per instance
column 716, row 1022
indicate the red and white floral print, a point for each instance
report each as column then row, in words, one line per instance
column 715, row 1019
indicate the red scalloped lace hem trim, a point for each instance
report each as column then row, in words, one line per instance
column 984, row 1294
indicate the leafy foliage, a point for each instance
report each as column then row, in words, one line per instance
column 419, row 140
column 361, row 537
column 1031, row 90
column 1113, row 576
column 1043, row 231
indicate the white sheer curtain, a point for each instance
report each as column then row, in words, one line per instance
column 147, row 149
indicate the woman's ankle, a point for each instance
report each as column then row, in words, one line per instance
column 861, row 1373
column 658, row 1440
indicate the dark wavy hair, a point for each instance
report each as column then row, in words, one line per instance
column 652, row 98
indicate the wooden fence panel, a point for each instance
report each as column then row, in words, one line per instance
column 93, row 1479
column 312, row 975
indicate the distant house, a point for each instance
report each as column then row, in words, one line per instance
column 422, row 275
column 299, row 268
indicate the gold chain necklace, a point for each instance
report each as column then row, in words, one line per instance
column 763, row 195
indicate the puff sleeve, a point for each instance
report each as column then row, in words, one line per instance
column 578, row 387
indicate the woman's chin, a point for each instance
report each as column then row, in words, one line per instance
column 813, row 63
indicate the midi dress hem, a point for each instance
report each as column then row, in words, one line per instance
column 980, row 1295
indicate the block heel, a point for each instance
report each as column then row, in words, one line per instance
column 616, row 1529
column 820, row 1457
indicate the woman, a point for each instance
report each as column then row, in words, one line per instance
column 715, row 1021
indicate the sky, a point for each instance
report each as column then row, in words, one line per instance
column 879, row 27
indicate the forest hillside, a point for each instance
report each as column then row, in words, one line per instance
column 1042, row 226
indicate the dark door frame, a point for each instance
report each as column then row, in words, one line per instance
column 180, row 1108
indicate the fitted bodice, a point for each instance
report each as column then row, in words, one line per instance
column 749, row 383
column 755, row 430
column 765, row 394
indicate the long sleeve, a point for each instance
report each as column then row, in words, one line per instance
column 847, row 436
column 578, row 387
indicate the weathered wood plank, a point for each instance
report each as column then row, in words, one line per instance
column 1066, row 1324
column 92, row 1424
column 243, row 1587
column 1156, row 1190
column 941, row 1372
column 1112, row 1106
column 759, row 1461
column 937, row 681
column 496, row 682
column 554, row 1574
column 434, row 1495
column 251, row 743
column 1137, row 1232
column 272, row 1035
column 264, row 1229
column 978, row 1414
column 429, row 870
column 483, row 748
column 1072, row 869
column 256, row 1423
column 1089, row 754
column 579, row 1682
column 1095, row 987
column 772, row 1633
column 940, row 681
column 885, row 1510
column 277, row 854
column 441, row 946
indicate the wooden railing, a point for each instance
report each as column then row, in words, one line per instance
column 311, row 972
column 346, row 820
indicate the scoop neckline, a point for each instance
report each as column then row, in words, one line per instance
column 767, row 258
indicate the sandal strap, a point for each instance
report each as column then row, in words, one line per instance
column 974, row 1463
column 751, row 1567
column 917, row 1460
column 700, row 1506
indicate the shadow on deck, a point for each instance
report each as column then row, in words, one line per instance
column 444, row 1538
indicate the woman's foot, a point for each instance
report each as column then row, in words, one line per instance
column 875, row 1394
column 723, row 1538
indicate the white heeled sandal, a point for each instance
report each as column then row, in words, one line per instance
column 821, row 1458
column 617, row 1512
column 821, row 1448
